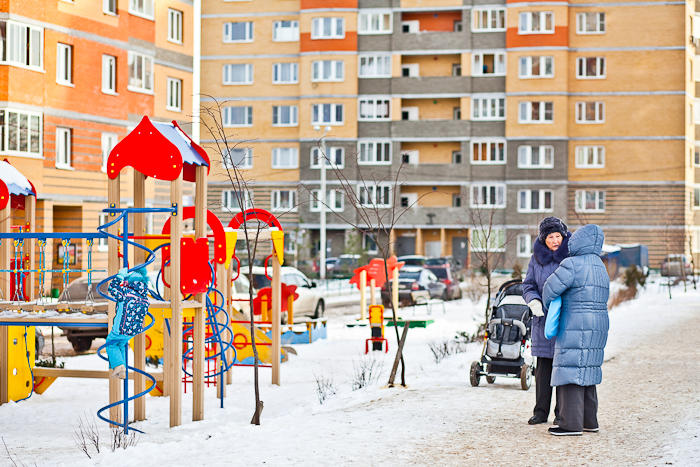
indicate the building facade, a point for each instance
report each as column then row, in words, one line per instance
column 75, row 77
column 460, row 117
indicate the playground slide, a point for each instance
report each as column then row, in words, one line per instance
column 242, row 344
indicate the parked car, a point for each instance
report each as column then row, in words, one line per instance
column 310, row 302
column 77, row 291
column 412, row 260
column 445, row 274
column 347, row 264
column 441, row 261
column 414, row 279
column 332, row 266
column 676, row 265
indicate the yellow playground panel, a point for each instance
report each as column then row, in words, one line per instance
column 20, row 351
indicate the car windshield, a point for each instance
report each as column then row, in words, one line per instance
column 435, row 261
column 413, row 261
column 409, row 275
column 441, row 273
column 260, row 281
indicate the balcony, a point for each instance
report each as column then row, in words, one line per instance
column 431, row 40
column 443, row 172
column 426, row 129
column 432, row 85
column 437, row 216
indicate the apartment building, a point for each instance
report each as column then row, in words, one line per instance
column 460, row 115
column 75, row 77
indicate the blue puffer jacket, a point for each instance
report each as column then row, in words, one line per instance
column 542, row 264
column 583, row 283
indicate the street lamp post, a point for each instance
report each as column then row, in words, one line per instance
column 323, row 198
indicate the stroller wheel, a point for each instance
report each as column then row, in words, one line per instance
column 525, row 377
column 490, row 379
column 474, row 375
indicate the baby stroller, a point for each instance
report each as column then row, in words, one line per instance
column 507, row 349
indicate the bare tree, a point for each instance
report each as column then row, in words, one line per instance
column 211, row 119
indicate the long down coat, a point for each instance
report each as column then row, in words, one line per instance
column 583, row 284
column 542, row 264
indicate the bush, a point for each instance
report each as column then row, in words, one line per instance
column 633, row 277
column 444, row 349
column 366, row 371
column 325, row 388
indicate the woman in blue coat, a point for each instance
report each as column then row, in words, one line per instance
column 583, row 284
column 549, row 249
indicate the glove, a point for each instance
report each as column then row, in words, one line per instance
column 536, row 307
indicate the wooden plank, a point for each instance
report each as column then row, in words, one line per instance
column 395, row 291
column 175, row 305
column 276, row 350
column 113, row 199
column 139, row 258
column 78, row 373
column 30, row 219
column 399, row 353
column 198, row 332
column 363, row 294
column 372, row 290
column 55, row 320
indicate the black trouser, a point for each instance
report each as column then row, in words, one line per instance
column 578, row 407
column 543, row 388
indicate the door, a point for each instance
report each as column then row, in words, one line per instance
column 405, row 246
column 460, row 250
column 433, row 249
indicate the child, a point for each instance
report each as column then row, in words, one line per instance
column 131, row 292
column 583, row 284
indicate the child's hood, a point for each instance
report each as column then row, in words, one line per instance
column 587, row 240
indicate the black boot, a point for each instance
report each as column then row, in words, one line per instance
column 536, row 420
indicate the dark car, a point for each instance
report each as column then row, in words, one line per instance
column 77, row 292
column 414, row 281
column 445, row 274
column 412, row 260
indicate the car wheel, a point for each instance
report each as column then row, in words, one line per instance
column 81, row 344
column 320, row 310
column 444, row 296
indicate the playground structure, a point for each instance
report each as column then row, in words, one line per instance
column 373, row 275
column 197, row 287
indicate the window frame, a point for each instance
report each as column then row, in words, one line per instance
column 542, row 112
column 333, row 195
column 476, row 106
column 488, row 204
column 489, row 142
column 581, row 67
column 249, row 32
column 580, row 25
column 293, row 114
column 316, row 32
column 371, row 195
column 542, row 20
column 231, row 209
column 334, row 71
column 249, row 72
column 169, row 97
column 249, row 116
column 542, row 198
column 106, row 148
column 580, row 201
column 526, row 240
column 369, row 13
column 173, row 14
column 227, row 162
column 112, row 60
column 314, row 160
column 372, row 151
column 479, row 56
column 375, row 102
column 581, row 110
column 106, row 7
column 385, row 66
column 276, row 198
column 64, row 64
column 317, row 109
column 498, row 233
column 529, row 62
column 277, row 71
column 276, row 26
column 275, row 154
column 64, row 134
column 529, row 149
column 134, row 10
column 146, row 58
column 32, row 38
column 580, row 159
column 490, row 12
column 6, row 131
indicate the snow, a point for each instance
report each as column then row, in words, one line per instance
column 352, row 426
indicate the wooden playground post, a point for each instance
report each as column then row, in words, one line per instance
column 363, row 295
column 113, row 196
column 174, row 373
column 228, row 304
column 395, row 289
column 198, row 332
column 139, row 258
column 276, row 354
column 5, row 222
column 372, row 298
column 30, row 219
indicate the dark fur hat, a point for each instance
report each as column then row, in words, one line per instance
column 550, row 225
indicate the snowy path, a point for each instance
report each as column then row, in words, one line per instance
column 649, row 406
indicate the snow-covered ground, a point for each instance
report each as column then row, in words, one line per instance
column 372, row 425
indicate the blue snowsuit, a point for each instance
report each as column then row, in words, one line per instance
column 131, row 293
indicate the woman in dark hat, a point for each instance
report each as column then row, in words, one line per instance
column 549, row 249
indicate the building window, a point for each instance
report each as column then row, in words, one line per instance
column 374, row 109
column 488, row 151
column 285, row 73
column 175, row 26
column 410, row 70
column 493, row 239
column 241, row 31
column 285, row 31
column 240, row 158
column 109, row 7
column 590, row 23
column 534, row 201
column 374, row 22
column 535, row 157
column 109, row 74
column 590, row 157
column 488, row 19
column 697, row 156
column 375, row 195
column 108, row 140
column 524, row 245
column 335, row 201
column 238, row 73
column 64, row 64
column 21, row 44
column 489, row 64
column 241, row 115
column 327, row 28
column 174, row 95
column 538, row 66
column 328, row 70
column 590, row 67
column 335, row 157
column 231, row 200
column 20, row 133
column 456, row 69
column 140, row 73
column 63, row 147
column 284, row 200
column 488, row 107
column 488, row 196
column 590, row 201
column 536, row 112
column 327, row 114
column 456, row 157
column 375, row 66
column 456, row 201
column 141, row 8
column 590, row 112
column 285, row 158
column 536, row 22
column 102, row 219
column 696, row 197
column 284, row 115
column 374, row 153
